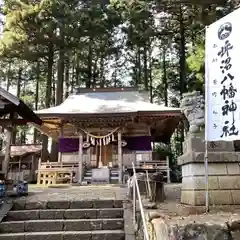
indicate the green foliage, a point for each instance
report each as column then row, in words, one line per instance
column 196, row 62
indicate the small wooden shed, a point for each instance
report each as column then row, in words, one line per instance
column 23, row 162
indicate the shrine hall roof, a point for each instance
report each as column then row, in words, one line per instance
column 106, row 101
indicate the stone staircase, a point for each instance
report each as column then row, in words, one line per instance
column 64, row 220
column 113, row 176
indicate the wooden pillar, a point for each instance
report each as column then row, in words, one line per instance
column 100, row 164
column 168, row 170
column 59, row 153
column 120, row 160
column 88, row 153
column 39, row 170
column 7, row 156
column 80, row 159
column 32, row 169
column 19, row 168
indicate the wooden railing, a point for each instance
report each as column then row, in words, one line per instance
column 155, row 165
column 91, row 159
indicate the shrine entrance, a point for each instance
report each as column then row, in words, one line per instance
column 107, row 154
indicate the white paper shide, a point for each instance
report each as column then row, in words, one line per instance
column 222, row 79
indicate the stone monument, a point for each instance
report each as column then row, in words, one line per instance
column 223, row 161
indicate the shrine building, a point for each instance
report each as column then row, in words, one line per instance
column 102, row 131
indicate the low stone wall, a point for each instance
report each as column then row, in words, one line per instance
column 223, row 172
column 195, row 227
column 224, row 183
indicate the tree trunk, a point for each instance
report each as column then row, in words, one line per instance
column 145, row 66
column 48, row 98
column 182, row 50
column 67, row 83
column 95, row 74
column 150, row 82
column 102, row 79
column 182, row 63
column 59, row 96
column 53, row 99
column 8, row 76
column 60, row 77
column 36, row 97
column 77, row 77
column 72, row 80
column 139, row 67
column 7, row 156
column 89, row 63
column 19, row 83
column 165, row 82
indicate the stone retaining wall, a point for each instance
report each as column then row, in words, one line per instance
column 197, row 227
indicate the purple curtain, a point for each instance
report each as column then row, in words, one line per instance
column 139, row 143
column 68, row 145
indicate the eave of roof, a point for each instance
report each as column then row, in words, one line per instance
column 172, row 113
column 11, row 104
column 107, row 102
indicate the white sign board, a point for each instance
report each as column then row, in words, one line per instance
column 222, row 79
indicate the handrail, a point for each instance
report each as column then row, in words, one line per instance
column 136, row 190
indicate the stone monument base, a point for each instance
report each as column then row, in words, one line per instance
column 100, row 175
column 223, row 172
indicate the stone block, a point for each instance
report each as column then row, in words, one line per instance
column 51, row 214
column 77, row 225
column 19, row 204
column 12, row 236
column 103, row 204
column 198, row 169
column 213, row 157
column 236, row 196
column 82, row 225
column 43, row 225
column 216, row 197
column 58, row 205
column 80, row 214
column 81, row 204
column 194, row 143
column 12, row 227
column 230, row 157
column 77, row 236
column 187, row 157
column 44, row 236
column 233, row 169
column 118, row 203
column 112, row 224
column 198, row 183
column 220, row 197
column 192, row 197
column 128, row 222
column 108, row 235
column 23, row 215
column 101, row 175
column 96, row 224
column 130, row 237
column 35, row 205
column 214, row 229
column 110, row 213
column 229, row 182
